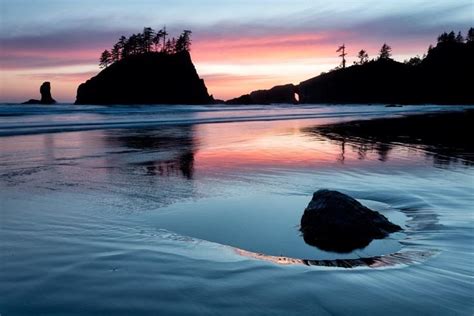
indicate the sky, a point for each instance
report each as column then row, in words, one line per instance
column 238, row 45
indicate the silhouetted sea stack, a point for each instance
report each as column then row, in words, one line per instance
column 149, row 78
column 46, row 97
column 336, row 222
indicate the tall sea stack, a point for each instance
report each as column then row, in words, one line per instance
column 150, row 78
column 46, row 97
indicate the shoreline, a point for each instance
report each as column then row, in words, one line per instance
column 444, row 134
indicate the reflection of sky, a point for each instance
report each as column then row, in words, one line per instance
column 238, row 45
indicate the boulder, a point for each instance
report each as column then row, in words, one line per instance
column 46, row 97
column 336, row 222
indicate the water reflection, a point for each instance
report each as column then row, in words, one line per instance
column 167, row 152
column 422, row 133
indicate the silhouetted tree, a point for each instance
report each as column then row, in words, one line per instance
column 343, row 54
column 459, row 38
column 470, row 35
column 447, row 37
column 385, row 52
column 116, row 52
column 168, row 47
column 147, row 38
column 184, row 42
column 105, row 59
column 157, row 40
column 163, row 35
column 414, row 61
column 363, row 57
column 145, row 42
column 121, row 44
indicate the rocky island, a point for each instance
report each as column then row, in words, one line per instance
column 146, row 69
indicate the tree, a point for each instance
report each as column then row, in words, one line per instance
column 163, row 35
column 105, row 59
column 414, row 61
column 447, row 37
column 363, row 57
column 459, row 38
column 385, row 52
column 157, row 40
column 168, row 47
column 343, row 54
column 184, row 42
column 470, row 35
column 121, row 44
column 147, row 38
column 116, row 52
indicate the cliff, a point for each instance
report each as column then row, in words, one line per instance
column 441, row 78
column 151, row 78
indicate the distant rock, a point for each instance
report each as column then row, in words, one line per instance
column 277, row 94
column 46, row 97
column 151, row 78
column 336, row 222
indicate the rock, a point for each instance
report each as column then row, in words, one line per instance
column 277, row 94
column 45, row 91
column 46, row 97
column 151, row 78
column 336, row 222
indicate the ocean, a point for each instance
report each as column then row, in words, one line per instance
column 179, row 210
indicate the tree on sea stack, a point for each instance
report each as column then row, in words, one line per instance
column 184, row 42
column 363, row 57
column 148, row 41
column 470, row 35
column 105, row 59
column 385, row 52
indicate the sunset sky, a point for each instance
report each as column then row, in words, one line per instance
column 238, row 46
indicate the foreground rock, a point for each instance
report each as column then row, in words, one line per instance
column 336, row 222
column 151, row 78
column 46, row 97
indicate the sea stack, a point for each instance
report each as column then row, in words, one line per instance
column 336, row 222
column 148, row 78
column 46, row 97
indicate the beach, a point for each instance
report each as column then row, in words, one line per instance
column 196, row 209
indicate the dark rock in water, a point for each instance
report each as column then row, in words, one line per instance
column 336, row 222
column 277, row 94
column 46, row 97
column 45, row 91
column 151, row 78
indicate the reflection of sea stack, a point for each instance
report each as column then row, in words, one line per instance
column 336, row 222
column 46, row 97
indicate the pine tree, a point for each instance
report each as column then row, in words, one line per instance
column 363, row 57
column 105, row 59
column 470, row 35
column 385, row 52
column 459, row 38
